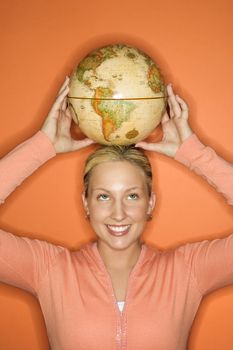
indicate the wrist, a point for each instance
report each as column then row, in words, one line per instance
column 48, row 140
column 192, row 145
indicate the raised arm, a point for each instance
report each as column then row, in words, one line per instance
column 179, row 142
column 23, row 261
column 53, row 138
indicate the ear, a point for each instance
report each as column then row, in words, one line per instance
column 85, row 205
column 152, row 202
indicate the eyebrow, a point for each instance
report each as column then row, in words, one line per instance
column 129, row 189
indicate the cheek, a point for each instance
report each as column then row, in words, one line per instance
column 137, row 212
column 97, row 211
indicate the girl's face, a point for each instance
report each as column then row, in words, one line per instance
column 118, row 203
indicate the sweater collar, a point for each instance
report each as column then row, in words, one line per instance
column 96, row 262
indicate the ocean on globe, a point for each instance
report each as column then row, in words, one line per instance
column 117, row 95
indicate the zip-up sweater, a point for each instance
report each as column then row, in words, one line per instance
column 74, row 289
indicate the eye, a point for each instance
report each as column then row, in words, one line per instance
column 133, row 196
column 103, row 197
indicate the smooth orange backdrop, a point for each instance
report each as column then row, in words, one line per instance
column 41, row 41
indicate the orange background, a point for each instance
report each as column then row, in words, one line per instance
column 41, row 42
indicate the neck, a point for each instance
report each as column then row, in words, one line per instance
column 119, row 259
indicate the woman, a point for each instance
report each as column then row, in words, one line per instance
column 78, row 291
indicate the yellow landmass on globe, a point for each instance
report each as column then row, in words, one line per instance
column 112, row 112
column 92, row 62
column 154, row 79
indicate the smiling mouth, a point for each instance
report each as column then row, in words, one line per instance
column 118, row 230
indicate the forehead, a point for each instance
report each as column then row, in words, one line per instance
column 117, row 172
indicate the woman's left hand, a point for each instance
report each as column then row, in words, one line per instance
column 175, row 126
column 58, row 122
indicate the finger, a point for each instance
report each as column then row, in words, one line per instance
column 68, row 112
column 155, row 147
column 59, row 100
column 171, row 112
column 175, row 110
column 64, row 104
column 65, row 83
column 165, row 118
column 184, row 107
column 82, row 144
column 63, row 90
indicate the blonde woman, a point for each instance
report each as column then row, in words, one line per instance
column 117, row 292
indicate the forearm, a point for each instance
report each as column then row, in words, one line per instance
column 205, row 162
column 22, row 161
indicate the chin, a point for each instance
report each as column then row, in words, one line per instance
column 119, row 243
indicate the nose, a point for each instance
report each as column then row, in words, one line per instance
column 118, row 211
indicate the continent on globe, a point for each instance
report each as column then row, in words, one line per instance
column 117, row 95
column 112, row 112
column 92, row 61
column 154, row 79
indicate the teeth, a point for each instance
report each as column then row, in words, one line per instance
column 119, row 228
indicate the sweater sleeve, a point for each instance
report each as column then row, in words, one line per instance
column 205, row 162
column 210, row 263
column 22, row 161
column 23, row 261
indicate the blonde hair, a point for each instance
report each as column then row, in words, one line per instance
column 113, row 153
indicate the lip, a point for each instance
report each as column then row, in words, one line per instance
column 118, row 230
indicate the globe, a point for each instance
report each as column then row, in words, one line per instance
column 117, row 95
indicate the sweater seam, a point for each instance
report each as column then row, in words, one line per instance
column 50, row 267
column 191, row 274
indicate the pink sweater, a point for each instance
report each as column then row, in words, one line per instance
column 74, row 289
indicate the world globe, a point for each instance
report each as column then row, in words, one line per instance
column 117, row 95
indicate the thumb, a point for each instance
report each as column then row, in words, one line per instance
column 82, row 144
column 156, row 147
column 165, row 118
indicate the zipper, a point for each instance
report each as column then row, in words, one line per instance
column 121, row 339
column 118, row 338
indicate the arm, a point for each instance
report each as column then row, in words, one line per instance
column 23, row 261
column 23, row 161
column 179, row 142
column 54, row 137
column 205, row 162
column 210, row 263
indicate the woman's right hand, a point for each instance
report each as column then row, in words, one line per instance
column 58, row 122
column 175, row 126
